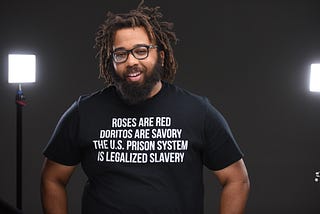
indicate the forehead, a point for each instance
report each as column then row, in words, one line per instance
column 129, row 37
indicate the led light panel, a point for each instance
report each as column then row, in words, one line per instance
column 21, row 68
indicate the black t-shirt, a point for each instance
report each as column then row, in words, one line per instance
column 146, row 158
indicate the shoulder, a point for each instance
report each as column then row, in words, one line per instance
column 184, row 95
column 191, row 101
column 102, row 100
column 96, row 95
column 92, row 100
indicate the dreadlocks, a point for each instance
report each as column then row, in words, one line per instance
column 158, row 31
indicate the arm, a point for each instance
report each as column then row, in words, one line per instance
column 54, row 178
column 235, row 188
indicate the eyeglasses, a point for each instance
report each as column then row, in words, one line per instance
column 139, row 52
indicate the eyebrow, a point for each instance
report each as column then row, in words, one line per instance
column 135, row 46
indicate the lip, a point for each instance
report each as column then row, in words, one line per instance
column 134, row 76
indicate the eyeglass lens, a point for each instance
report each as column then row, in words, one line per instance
column 140, row 52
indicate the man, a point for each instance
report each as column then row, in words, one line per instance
column 142, row 141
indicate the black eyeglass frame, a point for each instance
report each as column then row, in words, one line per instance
column 132, row 53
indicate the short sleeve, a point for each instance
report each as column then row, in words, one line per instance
column 62, row 146
column 220, row 149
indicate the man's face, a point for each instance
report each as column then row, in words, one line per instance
column 136, row 79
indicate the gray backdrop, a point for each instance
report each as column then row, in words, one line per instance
column 251, row 58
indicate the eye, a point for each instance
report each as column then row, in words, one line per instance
column 120, row 54
column 141, row 51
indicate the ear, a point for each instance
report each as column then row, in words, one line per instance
column 162, row 57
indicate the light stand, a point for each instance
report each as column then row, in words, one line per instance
column 21, row 69
column 20, row 102
column 315, row 87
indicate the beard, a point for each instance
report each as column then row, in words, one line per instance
column 133, row 93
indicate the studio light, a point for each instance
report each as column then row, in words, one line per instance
column 21, row 69
column 315, row 78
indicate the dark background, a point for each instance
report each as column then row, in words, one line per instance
column 251, row 58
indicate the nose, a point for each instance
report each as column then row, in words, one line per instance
column 131, row 60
